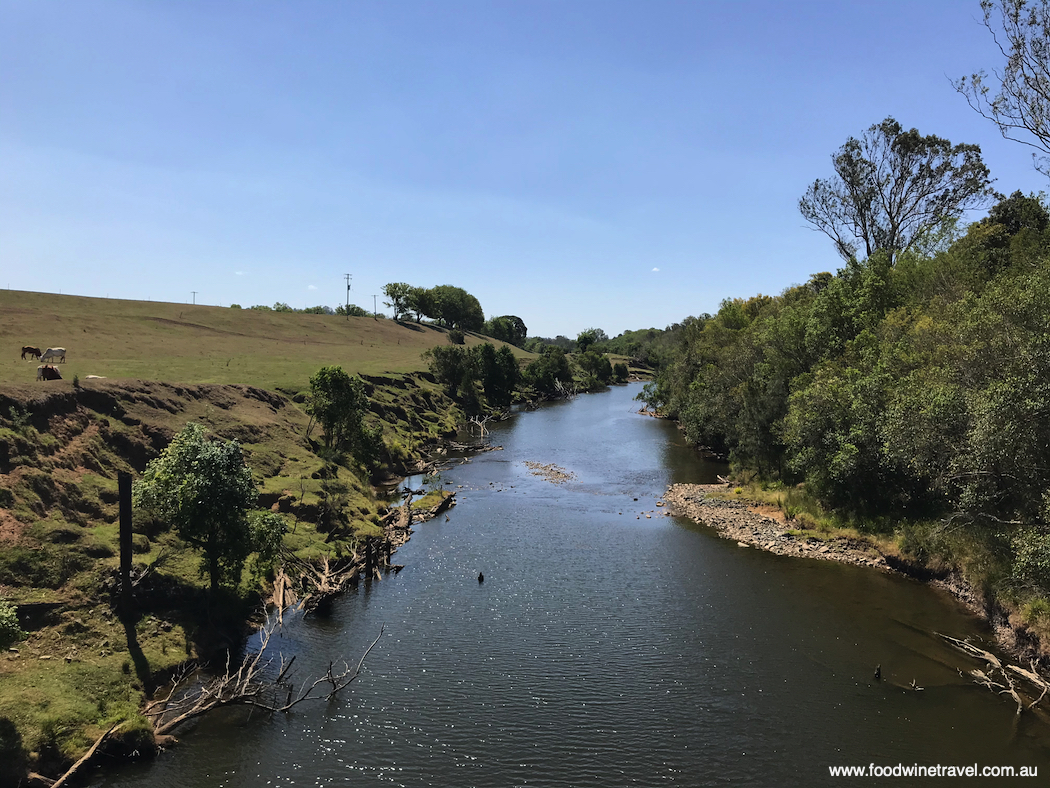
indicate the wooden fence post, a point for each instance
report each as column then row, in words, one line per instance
column 124, row 488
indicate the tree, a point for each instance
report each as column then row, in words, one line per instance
column 398, row 293
column 420, row 301
column 546, row 372
column 450, row 364
column 353, row 310
column 1020, row 105
column 498, row 370
column 205, row 491
column 339, row 403
column 507, row 328
column 1018, row 212
column 597, row 365
column 892, row 187
column 456, row 308
column 588, row 337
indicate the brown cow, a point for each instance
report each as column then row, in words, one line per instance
column 48, row 372
column 29, row 350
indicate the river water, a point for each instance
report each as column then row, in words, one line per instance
column 605, row 648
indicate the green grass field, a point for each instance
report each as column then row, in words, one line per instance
column 74, row 674
column 179, row 343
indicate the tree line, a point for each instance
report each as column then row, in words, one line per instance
column 452, row 307
column 912, row 383
column 908, row 392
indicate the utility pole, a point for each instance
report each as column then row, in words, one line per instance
column 194, row 296
column 375, row 309
column 348, row 277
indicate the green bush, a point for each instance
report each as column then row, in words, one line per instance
column 10, row 632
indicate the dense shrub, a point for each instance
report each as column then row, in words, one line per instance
column 10, row 631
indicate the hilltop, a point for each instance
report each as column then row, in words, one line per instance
column 181, row 343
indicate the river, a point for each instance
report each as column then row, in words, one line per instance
column 605, row 648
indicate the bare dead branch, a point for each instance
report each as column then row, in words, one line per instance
column 85, row 757
column 248, row 686
column 999, row 676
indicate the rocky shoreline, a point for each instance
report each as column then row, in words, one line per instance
column 765, row 528
column 750, row 527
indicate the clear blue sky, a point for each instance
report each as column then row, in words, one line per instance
column 577, row 163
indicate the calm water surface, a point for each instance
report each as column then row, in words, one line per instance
column 608, row 649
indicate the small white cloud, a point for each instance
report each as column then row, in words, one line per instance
column 656, row 269
column 311, row 287
column 240, row 273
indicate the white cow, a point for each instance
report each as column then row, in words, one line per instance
column 54, row 354
column 48, row 372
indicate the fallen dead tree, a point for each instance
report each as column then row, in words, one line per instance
column 85, row 758
column 1020, row 684
column 248, row 685
column 322, row 581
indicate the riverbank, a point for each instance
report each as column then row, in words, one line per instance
column 61, row 449
column 763, row 527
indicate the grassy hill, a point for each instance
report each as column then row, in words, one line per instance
column 178, row 343
column 237, row 372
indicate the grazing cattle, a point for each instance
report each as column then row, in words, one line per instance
column 48, row 372
column 54, row 354
column 29, row 350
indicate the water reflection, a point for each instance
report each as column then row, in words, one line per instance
column 608, row 649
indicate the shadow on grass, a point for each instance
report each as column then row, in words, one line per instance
column 12, row 756
column 213, row 627
column 142, row 669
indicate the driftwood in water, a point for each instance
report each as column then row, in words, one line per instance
column 446, row 503
column 312, row 584
column 249, row 686
column 331, row 578
column 284, row 595
column 1000, row 677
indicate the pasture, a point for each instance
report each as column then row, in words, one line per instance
column 181, row 343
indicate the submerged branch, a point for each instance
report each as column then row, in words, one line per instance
column 247, row 686
column 998, row 677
